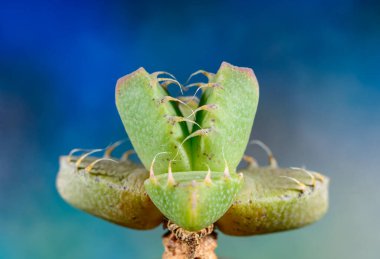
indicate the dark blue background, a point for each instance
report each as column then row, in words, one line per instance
column 318, row 67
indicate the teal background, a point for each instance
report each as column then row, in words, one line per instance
column 317, row 63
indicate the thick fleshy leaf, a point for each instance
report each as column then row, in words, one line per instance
column 112, row 191
column 149, row 118
column 192, row 202
column 230, row 104
column 276, row 200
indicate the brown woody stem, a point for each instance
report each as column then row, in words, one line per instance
column 182, row 244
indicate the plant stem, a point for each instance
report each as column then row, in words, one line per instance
column 182, row 244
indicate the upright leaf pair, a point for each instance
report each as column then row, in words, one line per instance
column 223, row 119
column 180, row 140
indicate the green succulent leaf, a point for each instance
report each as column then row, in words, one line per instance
column 192, row 202
column 148, row 117
column 276, row 199
column 109, row 190
column 233, row 103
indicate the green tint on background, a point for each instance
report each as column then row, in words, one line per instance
column 317, row 64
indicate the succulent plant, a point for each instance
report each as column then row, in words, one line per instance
column 190, row 150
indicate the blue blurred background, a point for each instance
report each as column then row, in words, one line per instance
column 318, row 67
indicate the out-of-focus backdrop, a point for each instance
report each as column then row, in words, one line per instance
column 317, row 63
